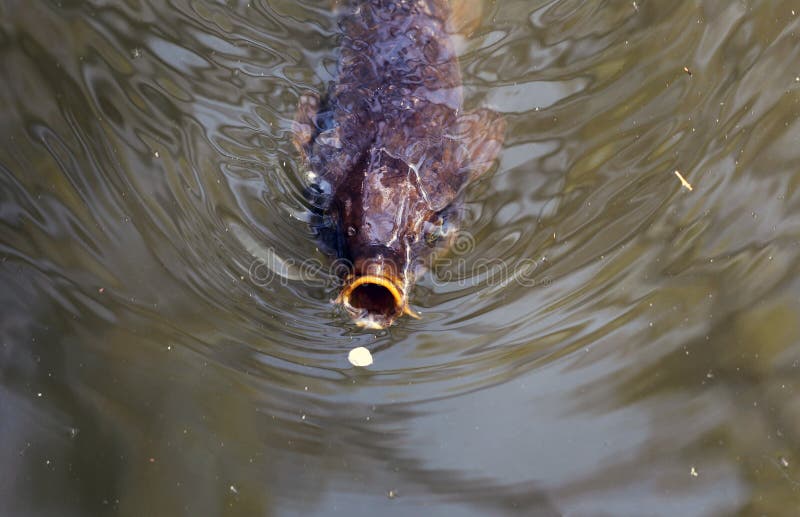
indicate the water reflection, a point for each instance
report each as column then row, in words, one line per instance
column 652, row 365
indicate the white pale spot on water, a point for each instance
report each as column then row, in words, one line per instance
column 360, row 356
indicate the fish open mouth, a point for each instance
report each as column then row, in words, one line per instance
column 374, row 301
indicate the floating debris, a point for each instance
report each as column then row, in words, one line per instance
column 694, row 472
column 360, row 356
column 683, row 181
column 686, row 69
column 391, row 494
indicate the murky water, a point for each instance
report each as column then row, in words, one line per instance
column 645, row 360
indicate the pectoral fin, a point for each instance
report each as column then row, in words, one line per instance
column 465, row 16
column 480, row 135
column 470, row 148
column 304, row 126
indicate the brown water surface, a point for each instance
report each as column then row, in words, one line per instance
column 162, row 352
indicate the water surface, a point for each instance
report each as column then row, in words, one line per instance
column 643, row 362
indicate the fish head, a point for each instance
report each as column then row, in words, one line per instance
column 389, row 231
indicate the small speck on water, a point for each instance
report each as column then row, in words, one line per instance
column 391, row 494
column 136, row 53
column 683, row 181
column 233, row 489
column 694, row 472
column 784, row 462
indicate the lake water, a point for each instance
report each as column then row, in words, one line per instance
column 161, row 354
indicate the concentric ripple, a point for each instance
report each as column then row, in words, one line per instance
column 599, row 339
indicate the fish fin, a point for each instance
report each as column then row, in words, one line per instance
column 304, row 126
column 480, row 135
column 465, row 16
column 329, row 239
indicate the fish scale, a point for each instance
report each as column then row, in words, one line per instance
column 395, row 149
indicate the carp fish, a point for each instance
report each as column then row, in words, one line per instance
column 390, row 150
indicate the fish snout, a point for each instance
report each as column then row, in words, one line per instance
column 375, row 301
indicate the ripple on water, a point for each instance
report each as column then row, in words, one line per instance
column 163, row 292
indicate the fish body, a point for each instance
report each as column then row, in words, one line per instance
column 392, row 150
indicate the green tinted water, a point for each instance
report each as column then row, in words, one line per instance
column 644, row 362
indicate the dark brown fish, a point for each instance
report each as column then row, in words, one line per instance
column 392, row 150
